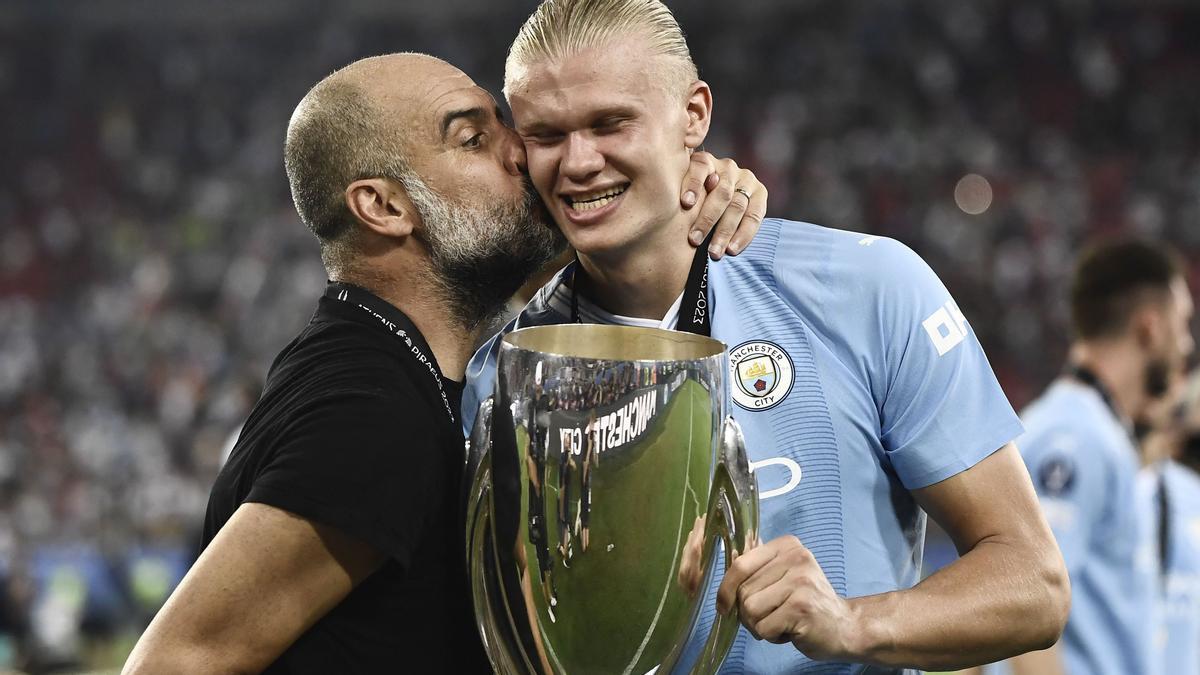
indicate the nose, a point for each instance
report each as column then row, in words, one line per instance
column 580, row 158
column 514, row 154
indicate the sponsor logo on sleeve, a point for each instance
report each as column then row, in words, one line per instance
column 947, row 327
column 762, row 374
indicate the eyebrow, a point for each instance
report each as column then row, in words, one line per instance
column 533, row 128
column 614, row 111
column 603, row 114
column 475, row 114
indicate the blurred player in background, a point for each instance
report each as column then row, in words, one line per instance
column 1171, row 486
column 332, row 539
column 851, row 363
column 1130, row 308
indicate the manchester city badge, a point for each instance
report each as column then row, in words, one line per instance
column 762, row 373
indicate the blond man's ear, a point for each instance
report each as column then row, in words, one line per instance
column 699, row 112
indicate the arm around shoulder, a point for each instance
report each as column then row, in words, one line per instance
column 266, row 578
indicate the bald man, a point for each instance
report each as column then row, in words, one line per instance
column 332, row 540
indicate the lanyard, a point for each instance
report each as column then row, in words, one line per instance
column 695, row 315
column 397, row 324
column 1087, row 377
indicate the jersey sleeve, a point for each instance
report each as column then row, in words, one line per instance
column 941, row 408
column 1073, row 483
column 481, row 379
column 368, row 464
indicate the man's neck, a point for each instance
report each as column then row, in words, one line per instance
column 642, row 282
column 446, row 336
column 1120, row 370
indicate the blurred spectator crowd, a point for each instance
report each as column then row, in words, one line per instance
column 151, row 263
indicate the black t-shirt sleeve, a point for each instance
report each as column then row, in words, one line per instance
column 366, row 463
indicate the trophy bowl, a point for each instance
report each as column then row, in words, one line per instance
column 600, row 476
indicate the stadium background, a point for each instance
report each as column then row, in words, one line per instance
column 151, row 263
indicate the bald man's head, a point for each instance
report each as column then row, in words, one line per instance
column 348, row 127
column 417, row 123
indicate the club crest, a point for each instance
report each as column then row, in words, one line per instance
column 762, row 374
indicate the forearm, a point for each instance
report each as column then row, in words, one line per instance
column 998, row 600
column 175, row 642
column 153, row 659
column 264, row 580
column 1044, row 662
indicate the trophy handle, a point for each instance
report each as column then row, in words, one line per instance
column 480, row 549
column 486, row 547
column 733, row 516
column 477, row 476
column 477, row 479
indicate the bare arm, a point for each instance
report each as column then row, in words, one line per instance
column 1007, row 594
column 265, row 579
column 1044, row 662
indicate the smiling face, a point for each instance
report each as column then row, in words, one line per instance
column 607, row 141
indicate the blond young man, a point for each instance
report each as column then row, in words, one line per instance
column 865, row 398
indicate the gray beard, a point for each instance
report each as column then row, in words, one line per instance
column 480, row 256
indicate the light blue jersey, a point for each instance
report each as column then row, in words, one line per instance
column 1084, row 467
column 1179, row 638
column 855, row 379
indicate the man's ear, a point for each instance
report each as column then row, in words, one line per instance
column 383, row 206
column 699, row 112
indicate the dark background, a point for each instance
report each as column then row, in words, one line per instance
column 151, row 263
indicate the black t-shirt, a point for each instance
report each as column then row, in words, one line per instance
column 352, row 432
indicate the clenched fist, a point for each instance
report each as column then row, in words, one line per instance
column 783, row 596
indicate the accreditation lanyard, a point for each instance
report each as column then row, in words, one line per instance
column 1086, row 376
column 695, row 315
column 397, row 324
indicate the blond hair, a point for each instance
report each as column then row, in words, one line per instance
column 560, row 28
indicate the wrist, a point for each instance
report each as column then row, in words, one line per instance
column 866, row 637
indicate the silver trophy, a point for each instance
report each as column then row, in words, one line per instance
column 599, row 478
